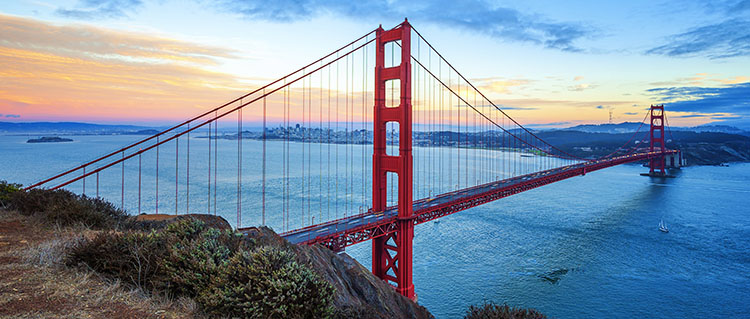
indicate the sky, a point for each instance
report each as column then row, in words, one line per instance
column 548, row 63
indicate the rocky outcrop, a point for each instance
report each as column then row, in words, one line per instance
column 359, row 294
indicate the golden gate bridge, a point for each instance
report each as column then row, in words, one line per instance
column 439, row 146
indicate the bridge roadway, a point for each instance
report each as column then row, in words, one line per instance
column 350, row 230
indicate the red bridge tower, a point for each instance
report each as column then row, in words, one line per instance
column 656, row 164
column 392, row 253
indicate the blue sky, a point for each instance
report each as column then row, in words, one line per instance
column 548, row 62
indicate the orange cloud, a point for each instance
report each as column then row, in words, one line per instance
column 87, row 73
column 499, row 85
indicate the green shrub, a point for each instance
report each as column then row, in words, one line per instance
column 132, row 257
column 192, row 264
column 66, row 208
column 494, row 311
column 268, row 283
column 6, row 192
column 225, row 273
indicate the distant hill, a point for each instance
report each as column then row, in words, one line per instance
column 629, row 127
column 699, row 148
column 623, row 127
column 68, row 128
column 715, row 129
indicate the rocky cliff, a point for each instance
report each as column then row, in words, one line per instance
column 359, row 294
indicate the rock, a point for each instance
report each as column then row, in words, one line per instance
column 359, row 294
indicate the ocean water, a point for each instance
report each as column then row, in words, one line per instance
column 587, row 247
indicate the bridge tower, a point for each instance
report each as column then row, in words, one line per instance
column 656, row 164
column 392, row 254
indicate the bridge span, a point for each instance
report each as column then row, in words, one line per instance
column 347, row 231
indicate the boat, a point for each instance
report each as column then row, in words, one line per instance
column 663, row 227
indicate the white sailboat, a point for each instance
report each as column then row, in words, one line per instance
column 663, row 227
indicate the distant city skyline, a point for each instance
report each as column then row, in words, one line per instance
column 547, row 63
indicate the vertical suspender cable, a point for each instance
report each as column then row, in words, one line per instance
column 216, row 157
column 346, row 132
column 239, row 166
column 122, row 184
column 209, row 168
column 320, row 147
column 449, row 107
column 139, row 182
column 263, row 209
column 364, row 128
column 338, row 93
column 304, row 140
column 187, row 181
column 309, row 147
column 157, row 174
column 176, row 171
column 328, row 141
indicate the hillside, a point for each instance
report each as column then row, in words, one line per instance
column 699, row 148
column 107, row 264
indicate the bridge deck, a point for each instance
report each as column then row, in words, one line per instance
column 343, row 232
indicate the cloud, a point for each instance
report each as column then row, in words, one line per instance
column 551, row 124
column 730, row 38
column 728, row 99
column 578, row 78
column 600, row 107
column 100, row 9
column 15, row 116
column 473, row 15
column 502, row 107
column 90, row 43
column 499, row 85
column 581, row 87
column 630, row 113
column 688, row 116
column 728, row 117
column 84, row 72
column 740, row 6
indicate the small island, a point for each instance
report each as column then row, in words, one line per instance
column 49, row 139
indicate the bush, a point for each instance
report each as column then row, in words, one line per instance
column 225, row 273
column 6, row 192
column 268, row 283
column 132, row 257
column 194, row 263
column 66, row 208
column 494, row 311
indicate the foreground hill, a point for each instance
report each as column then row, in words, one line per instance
column 109, row 264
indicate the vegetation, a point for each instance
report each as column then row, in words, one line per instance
column 494, row 311
column 61, row 207
column 223, row 272
column 226, row 274
column 6, row 192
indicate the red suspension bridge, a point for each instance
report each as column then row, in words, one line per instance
column 378, row 136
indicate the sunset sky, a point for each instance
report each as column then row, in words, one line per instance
column 551, row 63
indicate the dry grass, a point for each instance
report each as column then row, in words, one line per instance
column 35, row 284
